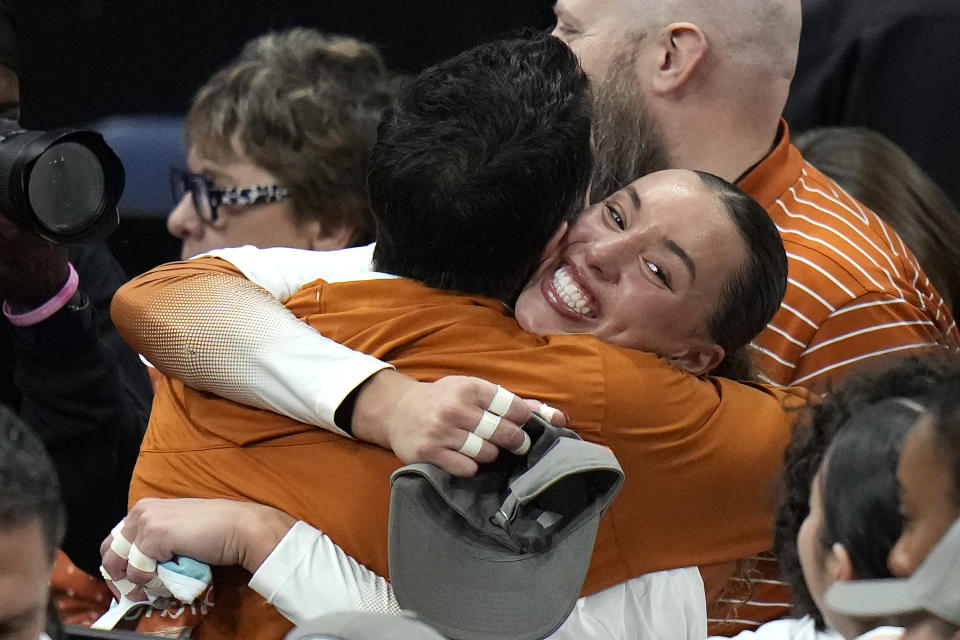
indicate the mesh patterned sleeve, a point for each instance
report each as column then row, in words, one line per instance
column 204, row 322
column 307, row 576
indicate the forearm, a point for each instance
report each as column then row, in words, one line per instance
column 73, row 369
column 87, row 395
column 206, row 324
column 307, row 575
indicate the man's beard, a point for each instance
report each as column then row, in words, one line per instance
column 626, row 142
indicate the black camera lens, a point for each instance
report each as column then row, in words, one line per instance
column 66, row 188
column 64, row 184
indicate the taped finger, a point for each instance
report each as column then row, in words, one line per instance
column 124, row 585
column 487, row 425
column 105, row 574
column 119, row 545
column 141, row 561
column 523, row 447
column 471, row 446
column 501, row 401
column 546, row 412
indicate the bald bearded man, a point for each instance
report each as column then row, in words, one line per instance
column 701, row 85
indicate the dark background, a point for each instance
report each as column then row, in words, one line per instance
column 84, row 60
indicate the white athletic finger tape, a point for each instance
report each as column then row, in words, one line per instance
column 501, row 402
column 124, row 586
column 141, row 561
column 487, row 425
column 524, row 446
column 119, row 545
column 547, row 412
column 471, row 447
column 105, row 574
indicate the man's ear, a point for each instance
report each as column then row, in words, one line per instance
column 683, row 46
column 699, row 359
column 326, row 237
column 839, row 564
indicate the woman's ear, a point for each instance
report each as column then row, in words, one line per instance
column 839, row 564
column 699, row 359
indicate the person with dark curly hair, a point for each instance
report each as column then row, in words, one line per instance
column 852, row 520
column 839, row 514
column 926, row 595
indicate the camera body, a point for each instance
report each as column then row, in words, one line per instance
column 63, row 184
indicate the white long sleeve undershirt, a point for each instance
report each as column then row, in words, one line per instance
column 307, row 576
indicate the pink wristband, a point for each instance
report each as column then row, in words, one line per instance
column 48, row 308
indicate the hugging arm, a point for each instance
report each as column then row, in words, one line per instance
column 301, row 572
column 217, row 323
column 295, row 567
column 205, row 323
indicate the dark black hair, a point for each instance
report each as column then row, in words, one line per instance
column 29, row 489
column 913, row 379
column 858, row 485
column 479, row 162
column 752, row 296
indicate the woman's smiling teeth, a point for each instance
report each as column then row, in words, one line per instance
column 570, row 293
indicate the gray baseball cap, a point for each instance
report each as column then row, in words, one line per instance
column 934, row 587
column 502, row 554
column 362, row 625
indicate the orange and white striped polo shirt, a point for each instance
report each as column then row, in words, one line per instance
column 855, row 291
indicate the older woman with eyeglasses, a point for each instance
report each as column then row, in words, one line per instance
column 277, row 146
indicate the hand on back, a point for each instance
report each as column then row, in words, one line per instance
column 454, row 423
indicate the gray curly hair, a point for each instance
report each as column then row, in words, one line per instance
column 305, row 106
